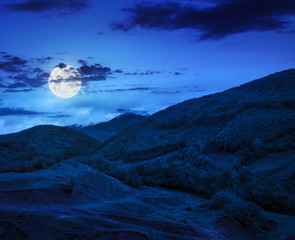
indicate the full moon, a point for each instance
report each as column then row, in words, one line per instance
column 64, row 81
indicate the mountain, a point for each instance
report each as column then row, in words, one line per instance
column 42, row 146
column 105, row 130
column 240, row 142
column 259, row 112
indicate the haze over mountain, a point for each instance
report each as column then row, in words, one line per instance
column 105, row 130
column 217, row 167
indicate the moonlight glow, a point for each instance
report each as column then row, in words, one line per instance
column 64, row 81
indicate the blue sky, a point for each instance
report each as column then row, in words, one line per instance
column 134, row 55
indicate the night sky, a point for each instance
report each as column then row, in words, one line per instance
column 139, row 56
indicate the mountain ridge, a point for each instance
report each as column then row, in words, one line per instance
column 211, row 117
column 104, row 130
column 41, row 146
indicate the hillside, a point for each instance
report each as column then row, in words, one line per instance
column 105, row 130
column 71, row 200
column 261, row 111
column 42, row 146
column 238, row 142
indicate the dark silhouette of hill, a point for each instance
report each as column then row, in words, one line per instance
column 256, row 113
column 105, row 130
column 42, row 146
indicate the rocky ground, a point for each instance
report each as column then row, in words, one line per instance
column 74, row 201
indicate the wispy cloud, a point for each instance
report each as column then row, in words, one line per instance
column 133, row 111
column 161, row 92
column 137, row 73
column 17, row 111
column 127, row 89
column 18, row 90
column 44, row 59
column 59, row 116
column 7, row 111
column 52, row 6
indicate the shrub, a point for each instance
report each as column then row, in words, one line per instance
column 219, row 200
column 100, row 163
column 203, row 162
column 68, row 187
column 205, row 183
column 133, row 179
column 247, row 214
column 259, row 148
column 120, row 173
column 225, row 178
column 31, row 151
column 276, row 195
column 290, row 237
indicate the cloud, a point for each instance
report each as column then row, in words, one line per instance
column 42, row 6
column 30, row 79
column 17, row 111
column 128, row 89
column 18, row 90
column 177, row 73
column 137, row 73
column 148, row 72
column 20, row 76
column 61, row 65
column 154, row 90
column 16, row 85
column 161, row 92
column 12, row 64
column 118, row 71
column 93, row 69
column 215, row 22
column 60, row 116
column 7, row 56
column 44, row 59
column 124, row 111
column 7, row 111
column 94, row 72
column 83, row 62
